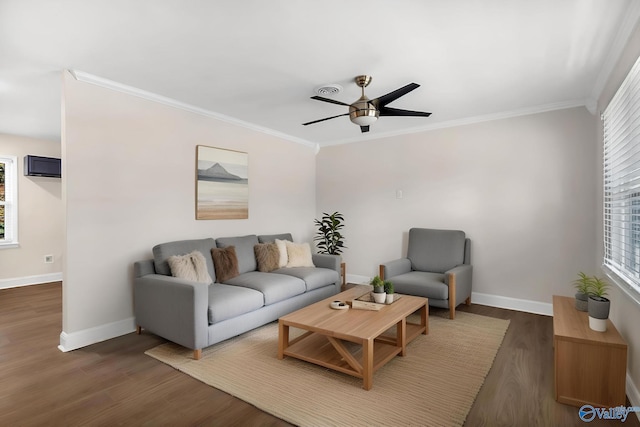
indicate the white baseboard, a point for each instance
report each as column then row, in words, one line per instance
column 354, row 278
column 30, row 280
column 75, row 340
column 633, row 394
column 527, row 306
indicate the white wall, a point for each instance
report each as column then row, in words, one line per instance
column 129, row 177
column 625, row 312
column 523, row 189
column 40, row 218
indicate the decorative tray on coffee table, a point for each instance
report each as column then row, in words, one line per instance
column 365, row 302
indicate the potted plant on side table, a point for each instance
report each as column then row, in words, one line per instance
column 379, row 295
column 582, row 285
column 598, row 305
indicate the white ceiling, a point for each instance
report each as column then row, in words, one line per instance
column 258, row 62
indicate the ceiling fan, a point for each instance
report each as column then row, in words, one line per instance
column 365, row 111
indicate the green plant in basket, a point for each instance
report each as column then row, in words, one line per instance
column 378, row 285
column 388, row 286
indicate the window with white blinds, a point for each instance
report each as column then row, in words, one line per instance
column 621, row 122
column 8, row 202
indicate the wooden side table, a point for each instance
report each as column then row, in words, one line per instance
column 589, row 367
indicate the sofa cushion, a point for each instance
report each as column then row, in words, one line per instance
column 313, row 277
column 163, row 251
column 275, row 287
column 225, row 262
column 192, row 266
column 271, row 238
column 299, row 255
column 226, row 302
column 420, row 283
column 244, row 250
column 267, row 256
column 435, row 250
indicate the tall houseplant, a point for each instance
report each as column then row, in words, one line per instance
column 330, row 240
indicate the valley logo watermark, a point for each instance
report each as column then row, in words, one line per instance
column 588, row 413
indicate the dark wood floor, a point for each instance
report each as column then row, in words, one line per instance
column 114, row 383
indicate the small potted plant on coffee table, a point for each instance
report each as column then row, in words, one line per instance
column 388, row 289
column 379, row 294
column 598, row 305
column 582, row 285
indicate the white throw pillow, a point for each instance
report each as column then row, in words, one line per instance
column 299, row 255
column 191, row 266
column 282, row 248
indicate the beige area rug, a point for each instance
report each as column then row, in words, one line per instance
column 434, row 385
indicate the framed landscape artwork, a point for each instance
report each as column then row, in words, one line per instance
column 222, row 183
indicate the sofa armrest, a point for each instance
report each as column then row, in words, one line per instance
column 394, row 268
column 461, row 276
column 175, row 309
column 331, row 262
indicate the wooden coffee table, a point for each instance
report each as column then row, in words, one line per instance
column 377, row 336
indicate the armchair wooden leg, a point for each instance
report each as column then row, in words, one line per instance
column 197, row 354
column 382, row 272
column 138, row 329
column 452, row 297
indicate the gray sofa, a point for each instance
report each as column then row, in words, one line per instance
column 197, row 315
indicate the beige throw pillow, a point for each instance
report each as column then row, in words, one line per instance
column 191, row 266
column 299, row 255
column 267, row 256
column 282, row 249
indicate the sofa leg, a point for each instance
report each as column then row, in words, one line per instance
column 197, row 354
column 468, row 301
column 138, row 329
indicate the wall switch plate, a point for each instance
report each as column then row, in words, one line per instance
column 398, row 194
column 48, row 259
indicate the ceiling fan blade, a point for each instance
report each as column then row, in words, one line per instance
column 326, row 118
column 383, row 100
column 364, row 129
column 386, row 111
column 332, row 101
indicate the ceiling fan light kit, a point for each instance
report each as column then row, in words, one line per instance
column 364, row 112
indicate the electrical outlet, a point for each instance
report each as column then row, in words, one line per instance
column 399, row 194
column 48, row 259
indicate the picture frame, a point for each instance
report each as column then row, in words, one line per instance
column 222, row 183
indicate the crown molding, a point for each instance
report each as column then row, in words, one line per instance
column 154, row 97
column 468, row 121
column 150, row 96
column 631, row 18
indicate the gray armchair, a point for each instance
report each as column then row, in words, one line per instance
column 437, row 266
